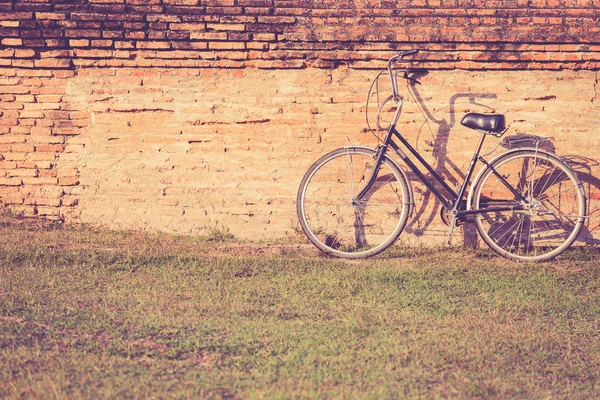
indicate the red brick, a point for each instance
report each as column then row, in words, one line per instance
column 29, row 173
column 135, row 35
column 26, row 164
column 14, row 90
column 86, row 53
column 69, row 131
column 82, row 33
column 14, row 16
column 227, row 45
column 12, row 42
column 218, row 3
column 50, row 16
column 276, row 20
column 153, row 45
column 53, row 63
column 48, row 98
column 124, row 45
column 40, row 131
column 12, row 200
column 39, row 180
column 56, row 54
column 11, row 156
column 209, row 35
column 22, row 148
column 42, row 157
column 102, row 43
column 12, row 139
column 107, row 1
column 8, row 165
column 31, row 114
column 226, row 27
column 255, row 3
column 49, row 148
column 43, row 201
column 68, row 181
column 11, row 182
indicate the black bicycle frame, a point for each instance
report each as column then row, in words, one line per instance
column 452, row 202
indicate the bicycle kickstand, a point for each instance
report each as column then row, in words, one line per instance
column 454, row 214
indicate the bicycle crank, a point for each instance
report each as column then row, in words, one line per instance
column 447, row 217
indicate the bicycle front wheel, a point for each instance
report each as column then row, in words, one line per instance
column 547, row 201
column 332, row 218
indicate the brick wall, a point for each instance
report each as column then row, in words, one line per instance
column 472, row 34
column 191, row 115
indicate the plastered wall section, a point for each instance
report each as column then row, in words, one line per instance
column 204, row 151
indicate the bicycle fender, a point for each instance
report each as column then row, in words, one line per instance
column 411, row 195
column 499, row 156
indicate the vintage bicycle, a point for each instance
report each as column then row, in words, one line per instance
column 354, row 202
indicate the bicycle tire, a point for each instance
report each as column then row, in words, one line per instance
column 334, row 222
column 553, row 206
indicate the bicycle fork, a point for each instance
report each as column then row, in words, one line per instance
column 378, row 160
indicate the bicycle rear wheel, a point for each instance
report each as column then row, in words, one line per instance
column 331, row 217
column 549, row 208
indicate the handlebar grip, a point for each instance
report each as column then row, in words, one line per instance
column 409, row 53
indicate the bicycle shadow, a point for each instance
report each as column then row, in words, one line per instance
column 421, row 221
column 442, row 165
column 583, row 167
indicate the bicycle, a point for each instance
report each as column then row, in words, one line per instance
column 354, row 202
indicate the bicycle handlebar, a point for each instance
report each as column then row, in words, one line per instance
column 408, row 53
column 400, row 56
column 396, row 58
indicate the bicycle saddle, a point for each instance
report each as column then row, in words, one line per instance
column 493, row 123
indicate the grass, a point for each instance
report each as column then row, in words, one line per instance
column 90, row 313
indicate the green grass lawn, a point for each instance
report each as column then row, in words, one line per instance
column 88, row 314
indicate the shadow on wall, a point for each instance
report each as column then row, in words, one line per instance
column 583, row 166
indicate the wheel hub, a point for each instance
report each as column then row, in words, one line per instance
column 533, row 206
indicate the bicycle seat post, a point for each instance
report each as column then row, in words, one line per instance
column 461, row 192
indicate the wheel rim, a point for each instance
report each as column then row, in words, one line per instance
column 547, row 218
column 338, row 224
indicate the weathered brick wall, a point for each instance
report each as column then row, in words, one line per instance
column 188, row 115
column 38, row 141
column 524, row 34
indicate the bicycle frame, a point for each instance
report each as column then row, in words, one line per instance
column 452, row 201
